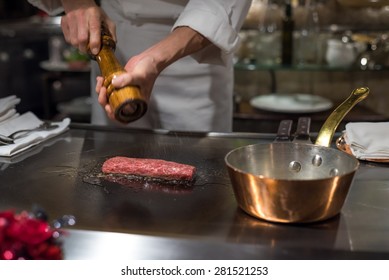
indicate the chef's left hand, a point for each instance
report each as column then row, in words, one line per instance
column 81, row 24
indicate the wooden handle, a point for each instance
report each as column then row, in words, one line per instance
column 127, row 103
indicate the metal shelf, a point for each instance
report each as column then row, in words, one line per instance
column 279, row 67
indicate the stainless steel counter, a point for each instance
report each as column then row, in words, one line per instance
column 151, row 221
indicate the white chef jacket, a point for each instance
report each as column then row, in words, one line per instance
column 196, row 92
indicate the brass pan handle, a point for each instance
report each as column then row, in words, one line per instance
column 329, row 127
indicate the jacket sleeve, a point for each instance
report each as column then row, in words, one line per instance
column 217, row 20
column 51, row 7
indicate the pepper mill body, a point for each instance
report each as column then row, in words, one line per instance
column 127, row 103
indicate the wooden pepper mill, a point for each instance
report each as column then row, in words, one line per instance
column 127, row 103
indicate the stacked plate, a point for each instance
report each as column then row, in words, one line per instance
column 291, row 103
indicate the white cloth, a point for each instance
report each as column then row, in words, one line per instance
column 27, row 121
column 187, row 95
column 11, row 113
column 7, row 107
column 368, row 140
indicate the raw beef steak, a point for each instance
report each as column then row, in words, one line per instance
column 152, row 168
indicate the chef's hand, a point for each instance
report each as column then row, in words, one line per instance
column 141, row 71
column 144, row 68
column 81, row 24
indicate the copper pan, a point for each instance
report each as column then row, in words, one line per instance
column 294, row 182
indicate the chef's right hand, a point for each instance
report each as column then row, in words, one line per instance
column 141, row 71
column 81, row 24
column 102, row 97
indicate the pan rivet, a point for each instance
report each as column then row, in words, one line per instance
column 334, row 172
column 317, row 160
column 295, row 166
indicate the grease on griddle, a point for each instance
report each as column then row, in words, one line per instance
column 150, row 184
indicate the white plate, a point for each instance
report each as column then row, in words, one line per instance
column 291, row 103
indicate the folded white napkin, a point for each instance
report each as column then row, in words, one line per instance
column 8, row 115
column 27, row 121
column 368, row 140
column 7, row 107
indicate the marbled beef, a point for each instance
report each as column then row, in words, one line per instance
column 153, row 168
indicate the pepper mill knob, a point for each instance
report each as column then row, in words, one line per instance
column 127, row 102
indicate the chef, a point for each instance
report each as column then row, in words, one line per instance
column 179, row 52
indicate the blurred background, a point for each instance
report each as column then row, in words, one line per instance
column 50, row 77
column 338, row 45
